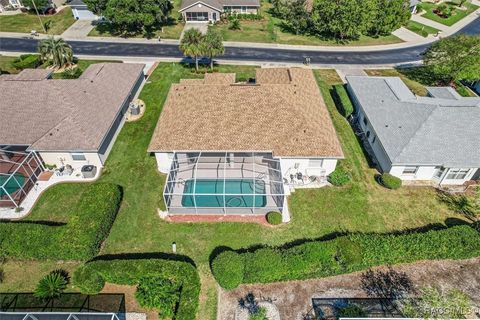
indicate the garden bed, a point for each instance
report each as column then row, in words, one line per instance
column 457, row 13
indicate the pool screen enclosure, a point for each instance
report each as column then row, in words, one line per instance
column 224, row 183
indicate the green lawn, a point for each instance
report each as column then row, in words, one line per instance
column 271, row 30
column 420, row 29
column 360, row 206
column 26, row 22
column 6, row 64
column 457, row 14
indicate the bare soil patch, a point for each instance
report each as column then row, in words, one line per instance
column 294, row 298
column 131, row 304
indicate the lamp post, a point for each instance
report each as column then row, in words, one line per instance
column 38, row 15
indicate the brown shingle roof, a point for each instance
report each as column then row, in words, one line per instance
column 65, row 115
column 284, row 113
column 28, row 75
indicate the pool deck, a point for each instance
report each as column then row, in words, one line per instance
column 40, row 186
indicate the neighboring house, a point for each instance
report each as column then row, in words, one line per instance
column 241, row 148
column 80, row 10
column 211, row 10
column 48, row 122
column 10, row 4
column 434, row 138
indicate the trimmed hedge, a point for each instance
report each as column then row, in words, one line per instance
column 274, row 218
column 343, row 100
column 79, row 239
column 350, row 253
column 390, row 182
column 27, row 61
column 339, row 177
column 91, row 277
column 228, row 269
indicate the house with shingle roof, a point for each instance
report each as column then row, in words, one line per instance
column 212, row 10
column 240, row 148
column 60, row 122
column 433, row 138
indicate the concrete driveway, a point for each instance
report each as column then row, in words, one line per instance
column 201, row 26
column 80, row 29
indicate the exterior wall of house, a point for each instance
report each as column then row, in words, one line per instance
column 164, row 161
column 446, row 181
column 422, row 173
column 307, row 166
column 63, row 158
column 241, row 9
column 203, row 8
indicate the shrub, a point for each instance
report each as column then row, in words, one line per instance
column 351, row 311
column 316, row 259
column 274, row 218
column 158, row 293
column 27, row 61
column 235, row 24
column 343, row 100
column 72, row 73
column 135, row 271
column 339, row 177
column 80, row 239
column 228, row 269
column 52, row 285
column 390, row 182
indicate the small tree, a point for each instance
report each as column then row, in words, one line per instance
column 235, row 24
column 38, row 3
column 52, row 285
column 56, row 50
column 192, row 44
column 213, row 45
column 454, row 58
column 96, row 6
column 297, row 16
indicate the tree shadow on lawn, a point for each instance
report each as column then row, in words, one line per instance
column 449, row 222
column 108, row 28
column 145, row 255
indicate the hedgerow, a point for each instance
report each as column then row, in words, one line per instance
column 79, row 239
column 343, row 100
column 91, row 277
column 351, row 253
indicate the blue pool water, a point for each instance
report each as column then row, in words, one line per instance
column 238, row 193
column 11, row 186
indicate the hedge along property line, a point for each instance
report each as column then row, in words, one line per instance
column 78, row 239
column 343, row 254
column 91, row 278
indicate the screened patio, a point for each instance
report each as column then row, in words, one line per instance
column 19, row 171
column 224, row 183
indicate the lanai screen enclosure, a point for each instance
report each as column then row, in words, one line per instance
column 224, row 183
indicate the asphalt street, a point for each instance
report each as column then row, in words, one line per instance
column 123, row 49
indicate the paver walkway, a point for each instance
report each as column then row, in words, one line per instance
column 79, row 30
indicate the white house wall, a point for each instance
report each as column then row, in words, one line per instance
column 458, row 181
column 303, row 165
column 423, row 173
column 164, row 161
column 63, row 158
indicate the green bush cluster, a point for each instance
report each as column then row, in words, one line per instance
column 27, row 61
column 274, row 218
column 71, row 73
column 79, row 239
column 344, row 254
column 390, row 181
column 343, row 100
column 160, row 294
column 228, row 269
column 243, row 16
column 339, row 177
column 91, row 277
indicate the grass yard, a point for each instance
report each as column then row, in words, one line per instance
column 457, row 13
column 6, row 64
column 361, row 205
column 415, row 86
column 26, row 22
column 271, row 30
column 421, row 29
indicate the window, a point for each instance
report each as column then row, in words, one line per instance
column 457, row 174
column 410, row 170
column 244, row 9
column 368, row 134
column 365, row 121
column 315, row 163
column 78, row 157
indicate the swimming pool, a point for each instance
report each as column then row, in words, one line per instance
column 11, row 186
column 238, row 193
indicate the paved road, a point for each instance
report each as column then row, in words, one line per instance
column 392, row 56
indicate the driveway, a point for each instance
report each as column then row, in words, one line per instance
column 201, row 26
column 80, row 29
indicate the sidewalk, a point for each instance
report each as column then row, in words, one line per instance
column 412, row 40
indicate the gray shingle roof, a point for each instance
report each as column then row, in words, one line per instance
column 421, row 130
column 65, row 115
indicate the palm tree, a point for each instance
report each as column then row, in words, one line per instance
column 191, row 44
column 213, row 45
column 56, row 50
column 52, row 285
